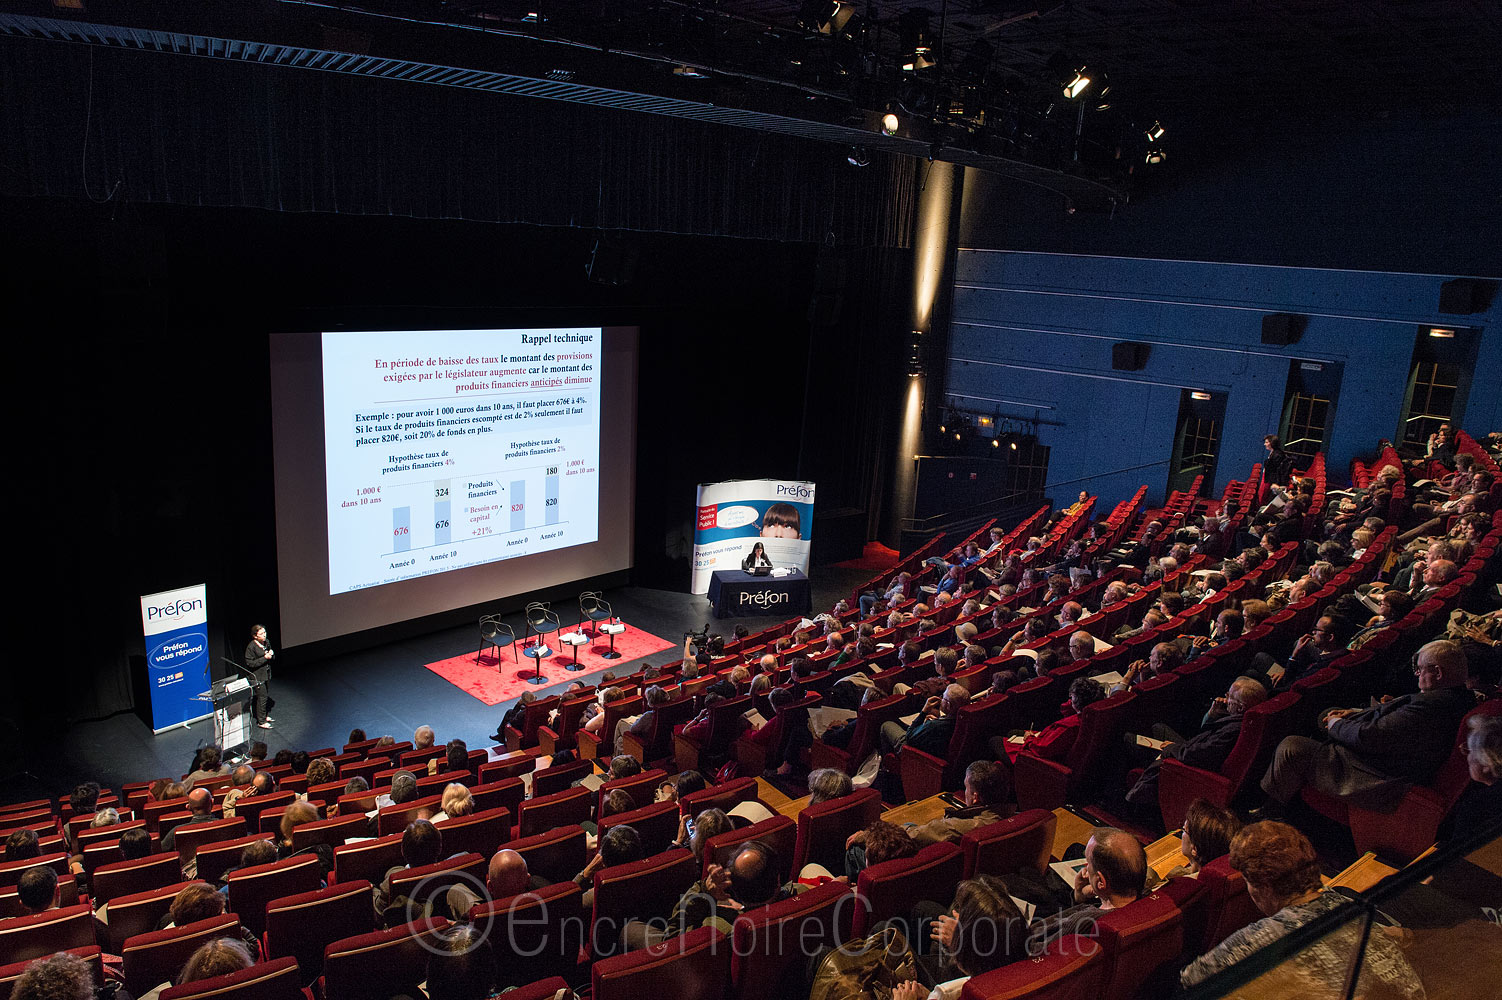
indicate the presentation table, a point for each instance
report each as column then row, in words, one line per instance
column 735, row 594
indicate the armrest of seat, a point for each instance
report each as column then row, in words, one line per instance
column 1179, row 785
column 1404, row 833
column 548, row 741
column 685, row 753
column 752, row 757
column 513, row 738
column 634, row 746
column 922, row 773
column 824, row 755
column 589, row 744
column 1041, row 784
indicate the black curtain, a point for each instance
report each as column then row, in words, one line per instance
column 146, row 127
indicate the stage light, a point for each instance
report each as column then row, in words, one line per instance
column 996, row 442
column 956, row 435
column 913, row 42
column 827, row 17
column 1014, row 445
column 858, row 157
column 1078, row 83
column 889, row 124
column 1156, row 156
column 1199, row 395
column 1440, row 332
column 1155, row 133
column 690, row 73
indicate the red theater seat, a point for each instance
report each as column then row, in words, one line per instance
column 656, row 825
column 566, row 808
column 772, row 943
column 279, row 979
column 250, row 889
column 694, row 965
column 301, row 926
column 1262, row 729
column 381, row 964
column 824, row 828
column 557, row 855
column 779, row 833
column 641, row 890
column 1072, row 968
column 41, row 934
column 1023, row 841
column 122, row 878
column 891, row 888
column 542, row 931
column 155, row 958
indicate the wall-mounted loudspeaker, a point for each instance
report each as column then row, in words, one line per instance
column 1282, row 329
column 1128, row 356
column 1465, row 296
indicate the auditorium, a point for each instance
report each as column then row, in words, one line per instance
column 763, row 499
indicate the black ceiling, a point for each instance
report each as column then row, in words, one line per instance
column 1199, row 66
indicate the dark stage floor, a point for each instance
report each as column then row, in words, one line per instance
column 386, row 690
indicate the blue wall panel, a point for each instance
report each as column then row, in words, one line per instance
column 1032, row 334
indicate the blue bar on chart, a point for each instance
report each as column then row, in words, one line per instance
column 441, row 512
column 518, row 505
column 401, row 529
column 550, row 499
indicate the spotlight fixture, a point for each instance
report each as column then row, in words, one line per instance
column 889, row 124
column 1156, row 156
column 996, row 442
column 1442, row 333
column 1078, row 83
column 1014, row 445
column 1156, row 132
column 913, row 39
column 1196, row 394
column 858, row 157
column 827, row 17
column 690, row 73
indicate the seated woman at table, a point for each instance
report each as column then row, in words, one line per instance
column 756, row 557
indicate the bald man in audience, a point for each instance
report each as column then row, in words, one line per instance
column 201, row 806
column 1374, row 754
column 1115, row 875
column 506, row 876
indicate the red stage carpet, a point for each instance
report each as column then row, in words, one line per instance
column 481, row 679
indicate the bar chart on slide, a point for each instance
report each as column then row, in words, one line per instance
column 425, row 483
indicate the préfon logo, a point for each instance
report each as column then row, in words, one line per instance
column 176, row 609
column 765, row 598
column 793, row 491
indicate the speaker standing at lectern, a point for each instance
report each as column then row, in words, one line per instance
column 258, row 657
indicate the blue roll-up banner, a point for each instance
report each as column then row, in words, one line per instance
column 733, row 517
column 176, row 626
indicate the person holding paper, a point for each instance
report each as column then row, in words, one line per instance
column 1207, row 749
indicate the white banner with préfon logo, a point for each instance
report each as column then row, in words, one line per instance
column 750, row 522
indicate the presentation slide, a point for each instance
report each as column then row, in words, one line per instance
column 423, row 471
column 448, row 449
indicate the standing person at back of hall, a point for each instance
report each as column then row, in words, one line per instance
column 1278, row 464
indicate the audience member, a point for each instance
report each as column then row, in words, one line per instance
column 1375, row 753
column 1282, row 878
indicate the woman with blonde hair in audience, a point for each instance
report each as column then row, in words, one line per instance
column 455, row 801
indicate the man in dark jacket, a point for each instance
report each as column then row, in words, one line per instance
column 1209, row 748
column 1374, row 754
column 931, row 730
